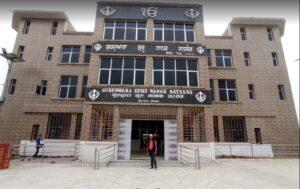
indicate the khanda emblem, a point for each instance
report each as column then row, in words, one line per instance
column 151, row 12
column 94, row 94
column 200, row 97
column 107, row 11
column 192, row 13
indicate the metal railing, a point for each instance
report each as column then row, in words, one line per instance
column 2, row 89
column 190, row 156
column 45, row 151
column 104, row 156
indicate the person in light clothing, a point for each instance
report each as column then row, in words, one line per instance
column 152, row 150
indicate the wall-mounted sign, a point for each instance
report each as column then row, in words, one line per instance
column 138, row 11
column 150, row 49
column 148, row 95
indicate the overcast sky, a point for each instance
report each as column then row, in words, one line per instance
column 217, row 15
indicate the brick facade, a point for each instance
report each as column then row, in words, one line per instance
column 276, row 118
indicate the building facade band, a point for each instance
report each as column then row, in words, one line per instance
column 148, row 68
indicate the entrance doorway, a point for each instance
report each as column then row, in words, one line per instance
column 139, row 136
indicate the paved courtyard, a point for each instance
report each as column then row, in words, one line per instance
column 233, row 173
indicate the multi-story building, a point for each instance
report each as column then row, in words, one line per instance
column 148, row 67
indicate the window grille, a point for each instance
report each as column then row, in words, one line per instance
column 194, row 126
column 59, row 126
column 235, row 129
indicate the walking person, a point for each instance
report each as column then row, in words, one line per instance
column 37, row 145
column 152, row 150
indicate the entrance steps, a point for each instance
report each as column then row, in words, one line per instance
column 143, row 163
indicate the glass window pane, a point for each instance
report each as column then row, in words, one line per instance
column 179, row 35
column 140, row 63
column 192, row 64
column 218, row 53
column 179, row 26
column 157, row 64
column 232, row 96
column 130, row 34
column 75, row 57
column 139, row 77
column 63, row 92
column 180, row 64
column 141, row 34
column 108, row 34
column 115, row 77
column 104, row 74
column 193, row 79
column 109, row 24
column 158, row 25
column 129, row 63
column 181, row 79
column 189, row 26
column 72, row 92
column 105, row 62
column 142, row 24
column 168, row 25
column 74, row 80
column 227, row 62
column 64, row 80
column 120, row 24
column 128, row 77
column 158, row 35
column 65, row 58
column 76, row 49
column 227, row 53
column 219, row 61
column 117, row 63
column 67, row 48
column 169, row 64
column 221, row 84
column 158, row 78
column 190, row 36
column 230, row 84
column 169, row 77
column 131, row 24
column 169, row 35
column 119, row 33
column 223, row 96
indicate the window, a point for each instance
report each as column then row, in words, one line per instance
column 270, row 34
column 274, row 59
column 49, row 53
column 59, row 126
column 212, row 89
column 180, row 72
column 251, row 91
column 26, row 27
column 216, row 129
column 68, row 86
column 127, row 71
column 87, row 54
column 208, row 57
column 125, row 30
column 54, row 28
column 243, row 33
column 41, row 89
column 235, row 129
column 12, row 86
column 227, row 90
column 281, row 92
column 70, row 54
column 246, row 58
column 223, row 58
column 21, row 51
column 78, row 127
column 194, row 125
column 173, row 32
column 84, row 84
column 258, row 138
column 34, row 131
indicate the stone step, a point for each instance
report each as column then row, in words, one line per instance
column 143, row 163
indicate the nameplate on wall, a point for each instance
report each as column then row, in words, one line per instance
column 149, row 49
